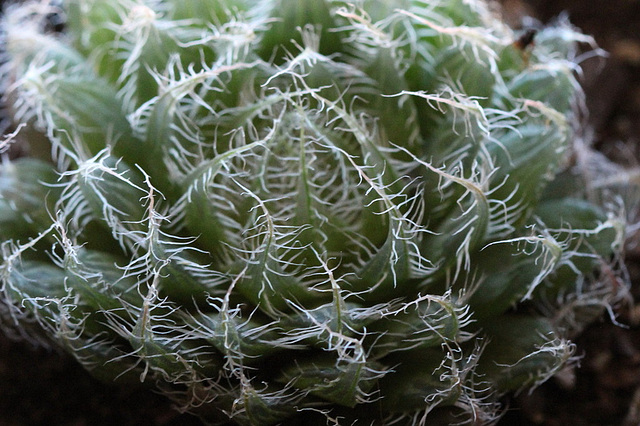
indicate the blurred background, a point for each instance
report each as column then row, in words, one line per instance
column 605, row 390
column 41, row 387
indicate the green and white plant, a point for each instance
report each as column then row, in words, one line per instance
column 288, row 212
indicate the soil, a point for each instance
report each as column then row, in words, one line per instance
column 39, row 387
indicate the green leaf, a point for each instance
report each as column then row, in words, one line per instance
column 245, row 341
column 32, row 280
column 114, row 192
column 178, row 120
column 526, row 158
column 98, row 279
column 427, row 322
column 341, row 381
column 27, row 197
column 521, row 352
column 287, row 16
column 591, row 238
column 420, row 380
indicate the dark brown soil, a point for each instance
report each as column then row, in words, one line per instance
column 38, row 387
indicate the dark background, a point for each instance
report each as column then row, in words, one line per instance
column 40, row 387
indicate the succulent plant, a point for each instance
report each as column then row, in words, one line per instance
column 325, row 212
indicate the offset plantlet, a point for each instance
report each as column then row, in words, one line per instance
column 286, row 212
